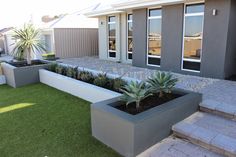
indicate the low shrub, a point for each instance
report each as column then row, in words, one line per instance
column 60, row 70
column 71, row 72
column 117, row 84
column 85, row 76
column 102, row 81
column 52, row 67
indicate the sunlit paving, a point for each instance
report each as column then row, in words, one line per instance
column 15, row 107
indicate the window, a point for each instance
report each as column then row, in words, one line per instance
column 193, row 33
column 112, row 36
column 129, row 36
column 154, row 37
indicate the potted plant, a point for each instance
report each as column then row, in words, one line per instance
column 143, row 115
column 19, row 73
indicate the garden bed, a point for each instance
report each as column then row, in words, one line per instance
column 19, row 73
column 75, row 87
column 132, row 134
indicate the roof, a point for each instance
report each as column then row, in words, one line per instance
column 118, row 6
column 5, row 30
column 73, row 20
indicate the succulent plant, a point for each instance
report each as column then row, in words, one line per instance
column 71, row 72
column 162, row 82
column 85, row 76
column 135, row 92
column 117, row 84
column 52, row 67
column 60, row 69
column 102, row 80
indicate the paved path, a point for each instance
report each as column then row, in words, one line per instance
column 222, row 96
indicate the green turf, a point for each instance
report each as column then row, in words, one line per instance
column 39, row 121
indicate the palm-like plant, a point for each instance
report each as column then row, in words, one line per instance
column 135, row 92
column 28, row 39
column 162, row 82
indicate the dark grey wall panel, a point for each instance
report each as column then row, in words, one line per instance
column 230, row 58
column 215, row 38
column 172, row 36
column 139, row 37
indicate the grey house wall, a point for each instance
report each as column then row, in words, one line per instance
column 172, row 36
column 76, row 42
column 230, row 58
column 218, row 58
column 139, row 37
column 215, row 37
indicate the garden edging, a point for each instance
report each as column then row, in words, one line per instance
column 75, row 87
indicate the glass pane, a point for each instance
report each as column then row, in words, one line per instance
column 155, row 12
column 130, row 44
column 112, row 44
column 195, row 8
column 155, row 28
column 192, row 65
column 193, row 26
column 112, row 19
column 154, row 46
column 130, row 29
column 154, row 61
column 130, row 56
column 112, row 54
column 193, row 37
column 192, row 48
column 112, row 30
column 130, row 17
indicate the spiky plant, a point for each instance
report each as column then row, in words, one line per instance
column 162, row 82
column 27, row 41
column 101, row 80
column 135, row 92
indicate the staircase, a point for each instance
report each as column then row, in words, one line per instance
column 213, row 127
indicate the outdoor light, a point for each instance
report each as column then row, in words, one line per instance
column 214, row 12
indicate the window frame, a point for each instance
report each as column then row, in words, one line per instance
column 183, row 37
column 149, row 18
column 127, row 36
column 108, row 36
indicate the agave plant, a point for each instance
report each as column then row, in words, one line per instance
column 27, row 41
column 162, row 82
column 135, row 92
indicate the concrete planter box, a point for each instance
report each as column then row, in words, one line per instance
column 2, row 80
column 130, row 134
column 20, row 76
column 75, row 87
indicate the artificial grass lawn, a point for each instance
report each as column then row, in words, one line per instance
column 39, row 121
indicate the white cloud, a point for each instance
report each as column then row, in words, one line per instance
column 17, row 12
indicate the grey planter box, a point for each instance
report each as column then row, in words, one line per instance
column 20, row 76
column 130, row 135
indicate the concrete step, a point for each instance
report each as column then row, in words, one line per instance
column 212, row 132
column 176, row 147
column 218, row 108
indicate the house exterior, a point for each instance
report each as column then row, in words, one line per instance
column 72, row 35
column 6, row 41
column 193, row 37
